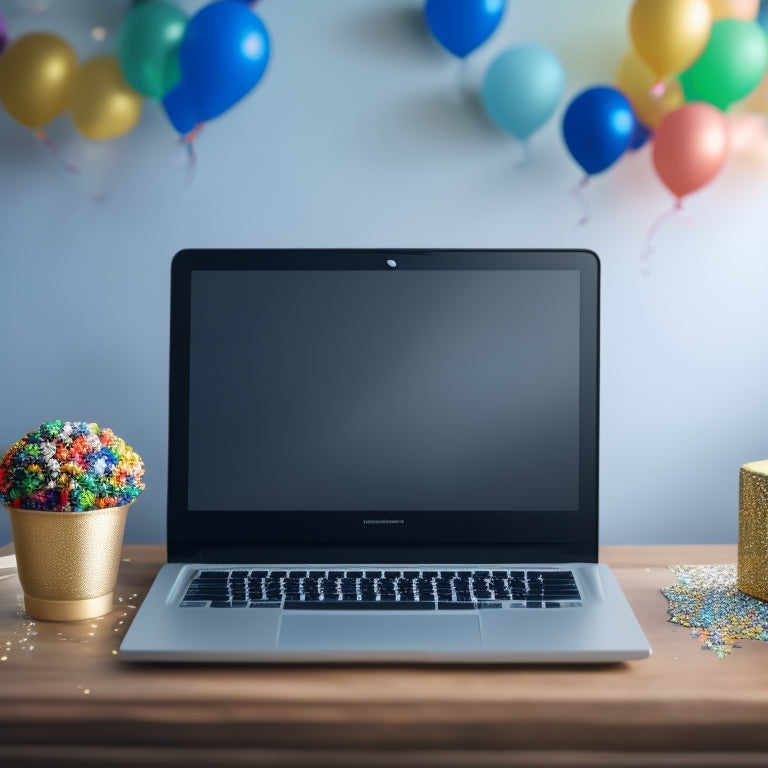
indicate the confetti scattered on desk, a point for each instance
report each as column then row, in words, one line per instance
column 706, row 599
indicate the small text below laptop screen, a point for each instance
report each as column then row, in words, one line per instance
column 384, row 390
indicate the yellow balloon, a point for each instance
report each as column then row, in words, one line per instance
column 746, row 10
column 36, row 76
column 669, row 35
column 104, row 106
column 635, row 80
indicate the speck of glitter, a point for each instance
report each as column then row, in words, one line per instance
column 86, row 691
column 3, row 658
column 114, row 653
column 706, row 599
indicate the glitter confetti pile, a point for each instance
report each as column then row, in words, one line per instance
column 70, row 467
column 706, row 599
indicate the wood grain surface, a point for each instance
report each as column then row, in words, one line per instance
column 65, row 692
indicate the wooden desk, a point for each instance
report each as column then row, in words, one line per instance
column 65, row 694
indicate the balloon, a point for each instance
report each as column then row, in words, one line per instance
column 522, row 88
column 104, row 106
column 733, row 63
column 639, row 136
column 148, row 47
column 635, row 80
column 757, row 101
column 222, row 57
column 689, row 87
column 463, row 25
column 762, row 16
column 36, row 76
column 734, row 9
column 669, row 35
column 690, row 147
column 597, row 127
column 179, row 109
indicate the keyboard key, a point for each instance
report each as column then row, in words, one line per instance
column 265, row 604
column 358, row 605
column 444, row 605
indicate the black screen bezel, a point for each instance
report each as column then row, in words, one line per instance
column 302, row 536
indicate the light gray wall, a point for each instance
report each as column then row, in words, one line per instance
column 358, row 136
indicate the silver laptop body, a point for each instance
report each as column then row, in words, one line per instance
column 384, row 456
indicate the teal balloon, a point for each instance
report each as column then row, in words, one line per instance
column 522, row 88
column 148, row 47
column 732, row 64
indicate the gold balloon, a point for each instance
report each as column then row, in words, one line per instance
column 669, row 35
column 104, row 106
column 746, row 10
column 36, row 76
column 635, row 80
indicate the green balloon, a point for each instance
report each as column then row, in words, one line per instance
column 148, row 47
column 689, row 88
column 732, row 64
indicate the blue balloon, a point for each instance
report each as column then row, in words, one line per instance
column 223, row 55
column 597, row 127
column 762, row 15
column 463, row 25
column 179, row 109
column 640, row 135
column 522, row 87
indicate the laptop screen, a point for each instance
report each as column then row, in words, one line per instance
column 362, row 397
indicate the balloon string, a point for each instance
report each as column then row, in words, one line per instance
column 578, row 193
column 189, row 142
column 46, row 141
column 461, row 76
column 649, row 247
column 524, row 155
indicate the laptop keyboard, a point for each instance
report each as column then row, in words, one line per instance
column 386, row 589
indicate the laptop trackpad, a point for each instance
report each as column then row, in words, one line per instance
column 374, row 632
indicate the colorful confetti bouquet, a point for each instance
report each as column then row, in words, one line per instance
column 70, row 467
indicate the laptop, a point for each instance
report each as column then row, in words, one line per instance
column 384, row 456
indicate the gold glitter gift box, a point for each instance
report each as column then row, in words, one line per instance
column 752, row 570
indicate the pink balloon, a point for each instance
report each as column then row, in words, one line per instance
column 690, row 147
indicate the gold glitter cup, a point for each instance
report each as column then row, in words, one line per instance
column 68, row 561
column 752, row 570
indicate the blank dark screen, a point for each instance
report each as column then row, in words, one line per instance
column 384, row 390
